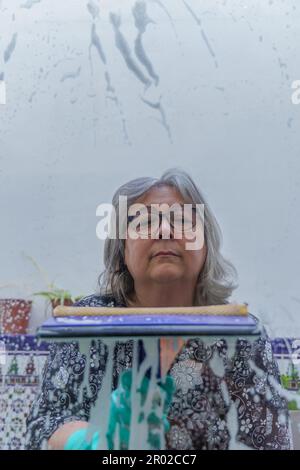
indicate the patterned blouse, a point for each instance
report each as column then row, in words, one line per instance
column 198, row 412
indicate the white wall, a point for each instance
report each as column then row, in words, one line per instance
column 224, row 81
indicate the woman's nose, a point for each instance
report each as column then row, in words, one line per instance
column 165, row 229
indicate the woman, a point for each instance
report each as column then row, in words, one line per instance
column 140, row 273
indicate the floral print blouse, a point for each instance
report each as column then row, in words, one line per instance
column 199, row 411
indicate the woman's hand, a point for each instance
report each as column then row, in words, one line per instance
column 59, row 438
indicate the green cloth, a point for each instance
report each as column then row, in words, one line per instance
column 120, row 410
column 78, row 441
column 120, row 415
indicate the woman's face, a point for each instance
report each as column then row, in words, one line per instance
column 141, row 254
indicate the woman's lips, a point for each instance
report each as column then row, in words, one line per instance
column 165, row 253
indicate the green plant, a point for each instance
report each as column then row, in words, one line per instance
column 292, row 405
column 285, row 380
column 53, row 294
column 57, row 295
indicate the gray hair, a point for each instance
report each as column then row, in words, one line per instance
column 216, row 279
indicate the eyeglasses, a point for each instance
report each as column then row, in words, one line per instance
column 148, row 222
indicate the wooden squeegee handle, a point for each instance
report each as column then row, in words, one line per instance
column 225, row 309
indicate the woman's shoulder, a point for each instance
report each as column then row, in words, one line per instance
column 97, row 300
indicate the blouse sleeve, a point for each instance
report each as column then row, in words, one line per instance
column 255, row 386
column 71, row 383
column 57, row 401
column 237, row 405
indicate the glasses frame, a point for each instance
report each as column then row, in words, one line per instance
column 161, row 214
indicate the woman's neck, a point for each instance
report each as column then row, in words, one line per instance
column 163, row 296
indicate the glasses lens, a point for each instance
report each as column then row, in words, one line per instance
column 141, row 223
column 181, row 221
column 143, row 226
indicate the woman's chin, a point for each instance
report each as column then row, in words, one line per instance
column 166, row 273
